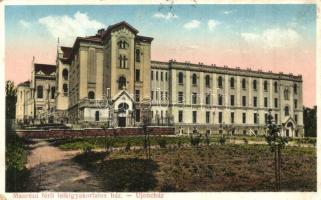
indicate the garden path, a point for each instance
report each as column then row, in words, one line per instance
column 54, row 170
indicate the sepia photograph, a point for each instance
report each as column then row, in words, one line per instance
column 152, row 98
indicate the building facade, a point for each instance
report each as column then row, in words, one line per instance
column 110, row 78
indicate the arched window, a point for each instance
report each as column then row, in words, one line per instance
column 254, row 85
column 122, row 107
column 53, row 91
column 275, row 86
column 286, row 94
column 194, row 79
column 65, row 88
column 39, row 92
column 286, row 111
column 220, row 82
column 295, row 88
column 91, row 95
column 232, row 82
column 207, row 81
column 180, row 78
column 122, row 44
column 65, row 74
column 97, row 116
column 121, row 83
column 265, row 86
column 243, row 84
column 137, row 55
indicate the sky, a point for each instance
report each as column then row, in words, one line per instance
column 280, row 38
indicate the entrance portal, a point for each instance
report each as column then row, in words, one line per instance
column 122, row 121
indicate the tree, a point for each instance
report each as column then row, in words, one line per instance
column 310, row 121
column 11, row 99
column 276, row 143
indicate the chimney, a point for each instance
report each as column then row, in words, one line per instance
column 100, row 32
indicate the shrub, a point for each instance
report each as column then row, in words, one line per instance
column 161, row 141
column 222, row 140
column 195, row 140
column 128, row 145
column 245, row 141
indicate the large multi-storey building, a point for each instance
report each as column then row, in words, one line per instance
column 110, row 78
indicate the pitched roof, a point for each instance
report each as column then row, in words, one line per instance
column 123, row 23
column 26, row 83
column 66, row 52
column 45, row 68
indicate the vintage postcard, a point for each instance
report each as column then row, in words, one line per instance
column 137, row 100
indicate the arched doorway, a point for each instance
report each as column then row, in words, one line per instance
column 122, row 108
column 289, row 129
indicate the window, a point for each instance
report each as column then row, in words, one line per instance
column 194, row 98
column 194, row 79
column 97, row 116
column 122, row 61
column 295, row 103
column 232, row 100
column 220, row 117
column 65, row 88
column 39, row 92
column 121, row 83
column 162, row 96
column 137, row 75
column 243, row 84
column 220, row 99
column 53, row 91
column 254, row 84
column 265, row 118
column 275, row 87
column 180, row 97
column 152, row 75
column 137, row 115
column 244, row 118
column 296, row 118
column 91, row 95
column 286, row 94
column 255, row 118
column 207, row 81
column 156, row 75
column 276, row 118
column 286, row 111
column 232, row 117
column 265, row 86
column 162, row 78
column 137, row 95
column 152, row 95
column 207, row 117
column 180, row 78
column 166, row 77
column 122, row 44
column 137, row 55
column 220, row 82
column 180, row 116
column 255, row 101
column 156, row 95
column 276, row 102
column 265, row 102
column 295, row 89
column 65, row 74
column 232, row 82
column 208, row 99
column 194, row 116
column 244, row 101
column 244, row 132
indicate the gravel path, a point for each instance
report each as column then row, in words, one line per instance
column 53, row 170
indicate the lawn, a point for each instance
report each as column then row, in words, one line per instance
column 218, row 167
